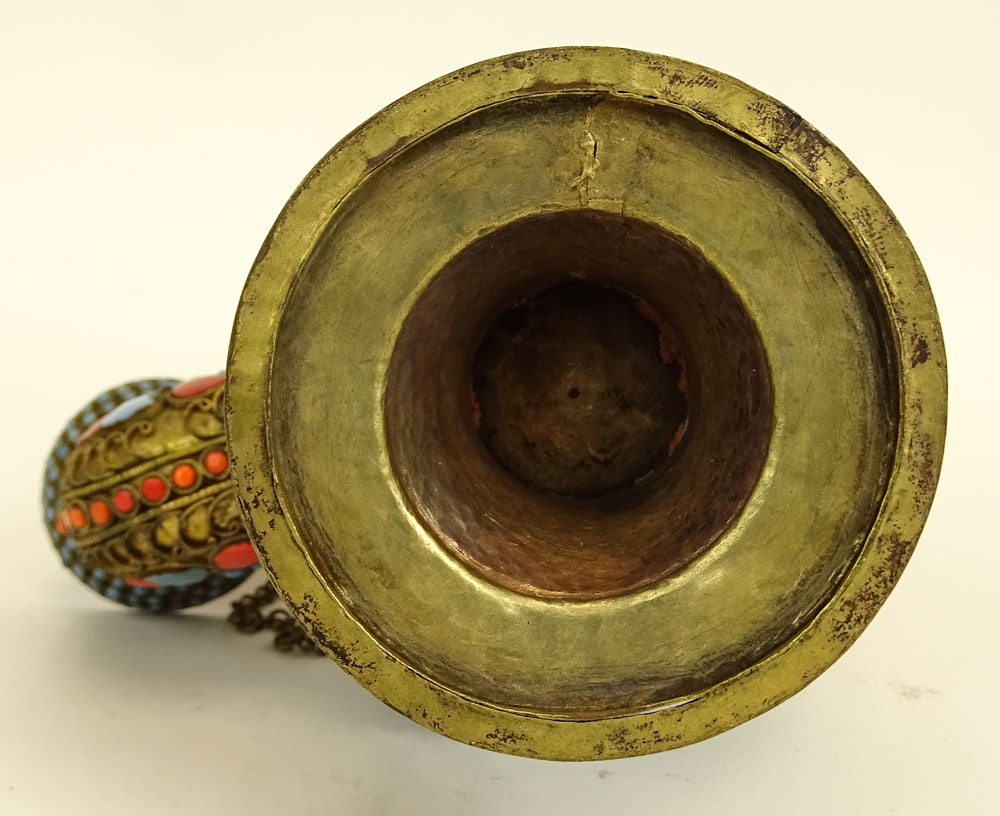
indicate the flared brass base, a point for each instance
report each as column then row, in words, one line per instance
column 585, row 403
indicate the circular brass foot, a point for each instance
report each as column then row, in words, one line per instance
column 585, row 403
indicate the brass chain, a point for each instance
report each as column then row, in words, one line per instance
column 249, row 616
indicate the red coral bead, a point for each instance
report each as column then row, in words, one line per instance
column 100, row 512
column 184, row 475
column 154, row 488
column 197, row 386
column 216, row 462
column 236, row 556
column 124, row 501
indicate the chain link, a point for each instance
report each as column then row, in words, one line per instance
column 249, row 616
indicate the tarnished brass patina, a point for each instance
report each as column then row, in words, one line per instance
column 581, row 404
column 432, row 444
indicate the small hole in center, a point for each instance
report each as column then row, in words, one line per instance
column 540, row 356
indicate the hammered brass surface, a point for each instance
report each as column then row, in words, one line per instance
column 618, row 541
column 845, row 319
column 830, row 441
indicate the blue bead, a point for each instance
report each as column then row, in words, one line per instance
column 183, row 578
column 114, row 593
column 78, row 571
column 89, row 418
column 126, row 409
column 100, row 574
column 62, row 450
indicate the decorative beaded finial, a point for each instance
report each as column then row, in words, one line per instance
column 138, row 500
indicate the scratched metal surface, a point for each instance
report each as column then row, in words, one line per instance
column 835, row 514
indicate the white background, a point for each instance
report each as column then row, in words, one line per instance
column 145, row 149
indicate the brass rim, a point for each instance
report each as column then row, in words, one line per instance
column 736, row 110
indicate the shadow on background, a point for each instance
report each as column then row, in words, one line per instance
column 152, row 702
column 199, row 658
